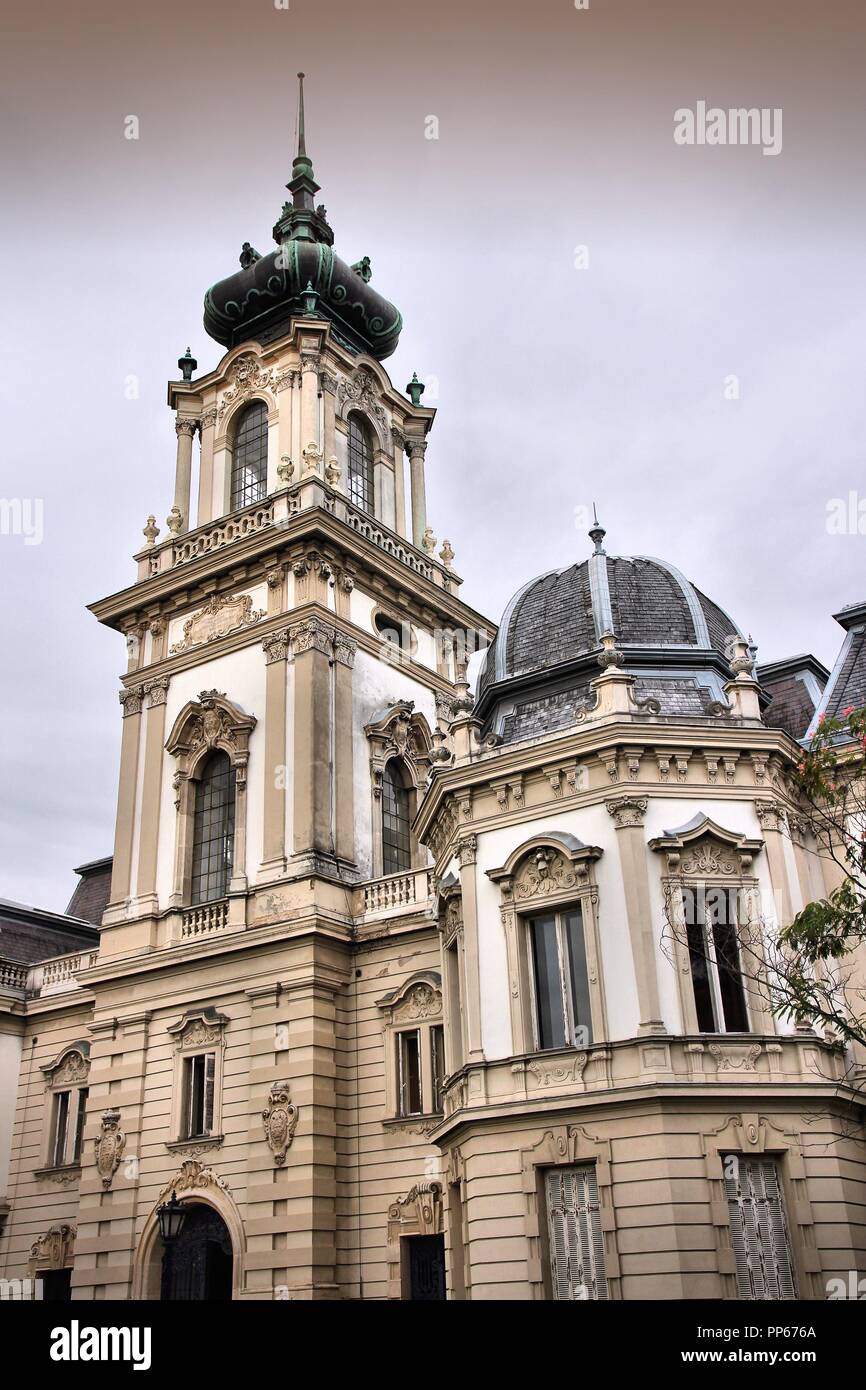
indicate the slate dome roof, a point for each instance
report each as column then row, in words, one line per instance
column 674, row 639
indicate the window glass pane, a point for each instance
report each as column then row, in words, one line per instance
column 578, row 976
column 549, row 1011
column 437, row 1051
column 409, row 1069
column 721, row 910
column 360, row 465
column 250, row 457
column 213, row 830
column 196, row 1094
column 61, row 1127
column 396, row 839
column 694, row 915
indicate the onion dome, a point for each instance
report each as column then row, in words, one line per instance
column 672, row 638
column 304, row 276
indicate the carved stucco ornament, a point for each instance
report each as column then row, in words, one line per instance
column 108, row 1146
column 545, row 872
column 193, row 1175
column 280, row 1120
column 221, row 614
column 248, row 375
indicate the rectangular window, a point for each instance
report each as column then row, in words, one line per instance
column 60, row 1132
column 198, row 1078
column 409, row 1072
column 437, row 1059
column 714, row 955
column 574, row 1228
column 759, row 1230
column 563, row 1015
column 455, row 1010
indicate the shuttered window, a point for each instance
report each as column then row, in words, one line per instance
column 759, row 1231
column 576, row 1241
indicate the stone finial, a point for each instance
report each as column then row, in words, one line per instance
column 610, row 656
column 285, row 469
column 187, row 365
column 415, row 389
column 174, row 521
column 446, row 554
column 333, row 471
column 151, row 530
column 741, row 661
column 428, row 541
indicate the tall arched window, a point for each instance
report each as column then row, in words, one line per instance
column 213, row 830
column 250, row 456
column 396, row 838
column 360, row 464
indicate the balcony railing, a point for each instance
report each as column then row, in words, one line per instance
column 398, row 892
column 204, row 919
column 49, row 976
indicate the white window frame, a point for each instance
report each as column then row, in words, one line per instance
column 558, row 913
column 704, row 890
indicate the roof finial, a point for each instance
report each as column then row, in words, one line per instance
column 597, row 532
column 301, row 147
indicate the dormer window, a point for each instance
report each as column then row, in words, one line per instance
column 250, row 456
column 361, row 491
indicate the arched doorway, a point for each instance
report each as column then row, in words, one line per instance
column 199, row 1264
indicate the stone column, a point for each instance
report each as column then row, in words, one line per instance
column 121, row 885
column 185, row 430
column 276, row 649
column 628, row 815
column 205, row 472
column 344, row 781
column 148, row 837
column 399, row 481
column 329, row 438
column 771, row 815
column 309, row 399
column 467, row 851
column 312, row 645
column 417, row 449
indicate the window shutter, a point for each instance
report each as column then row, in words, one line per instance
column 209, row 1072
column 576, row 1239
column 759, row 1231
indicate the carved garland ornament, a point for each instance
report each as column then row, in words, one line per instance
column 280, row 1120
column 221, row 614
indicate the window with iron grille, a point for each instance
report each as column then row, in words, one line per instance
column 574, row 1228
column 360, row 465
column 396, row 839
column 250, row 457
column 213, row 830
column 759, row 1230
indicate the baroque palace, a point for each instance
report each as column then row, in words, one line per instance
column 392, row 992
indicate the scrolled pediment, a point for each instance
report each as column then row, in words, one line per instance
column 703, row 849
column 545, row 866
column 419, row 997
column 212, row 721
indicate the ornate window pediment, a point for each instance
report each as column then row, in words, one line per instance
column 400, row 732
column 199, row 1028
column 212, row 721
column 549, row 866
column 71, row 1067
column 703, row 849
column 418, row 998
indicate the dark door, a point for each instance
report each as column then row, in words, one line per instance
column 56, row 1285
column 199, row 1266
column 426, row 1268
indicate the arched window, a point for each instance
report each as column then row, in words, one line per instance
column 213, row 830
column 250, row 456
column 396, row 839
column 360, row 464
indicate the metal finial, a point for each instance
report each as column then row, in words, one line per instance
column 187, row 365
column 597, row 532
column 301, row 146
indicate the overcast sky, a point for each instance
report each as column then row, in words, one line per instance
column 557, row 385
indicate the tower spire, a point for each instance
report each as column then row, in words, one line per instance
column 597, row 532
column 301, row 220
